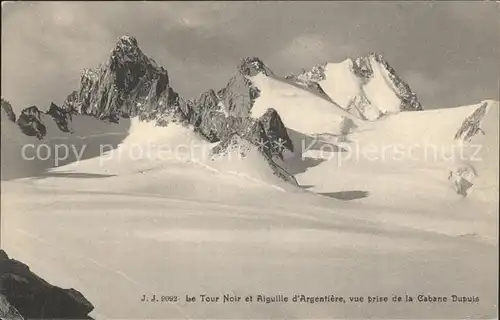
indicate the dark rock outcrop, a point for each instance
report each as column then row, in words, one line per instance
column 34, row 298
column 217, row 116
column 8, row 311
column 239, row 94
column 276, row 133
column 462, row 179
column 30, row 122
column 7, row 111
column 362, row 68
column 61, row 117
column 210, row 119
column 472, row 124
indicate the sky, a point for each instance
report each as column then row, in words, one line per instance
column 448, row 52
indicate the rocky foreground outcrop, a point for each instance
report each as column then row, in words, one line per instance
column 24, row 295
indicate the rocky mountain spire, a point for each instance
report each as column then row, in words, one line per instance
column 129, row 84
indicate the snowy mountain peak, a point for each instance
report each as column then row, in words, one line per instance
column 125, row 52
column 316, row 74
column 252, row 66
column 128, row 41
column 409, row 100
column 369, row 81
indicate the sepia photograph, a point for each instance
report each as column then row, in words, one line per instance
column 249, row 160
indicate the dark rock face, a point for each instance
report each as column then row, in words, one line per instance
column 461, row 179
column 7, row 111
column 471, row 125
column 208, row 118
column 362, row 68
column 215, row 124
column 34, row 298
column 8, row 311
column 275, row 132
column 30, row 122
column 238, row 96
column 61, row 117
column 218, row 116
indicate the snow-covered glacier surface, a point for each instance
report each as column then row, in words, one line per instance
column 123, row 225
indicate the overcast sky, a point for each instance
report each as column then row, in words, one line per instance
column 448, row 52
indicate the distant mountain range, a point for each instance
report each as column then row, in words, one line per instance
column 256, row 107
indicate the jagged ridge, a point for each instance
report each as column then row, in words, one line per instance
column 362, row 69
column 131, row 84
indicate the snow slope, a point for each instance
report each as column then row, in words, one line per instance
column 174, row 228
column 340, row 83
column 380, row 91
column 56, row 148
column 403, row 162
column 155, row 215
column 300, row 109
